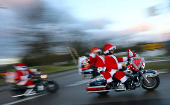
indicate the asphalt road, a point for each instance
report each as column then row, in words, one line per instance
column 72, row 92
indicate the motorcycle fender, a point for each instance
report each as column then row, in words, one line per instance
column 50, row 81
column 150, row 73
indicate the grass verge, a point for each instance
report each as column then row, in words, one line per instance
column 53, row 68
column 158, row 65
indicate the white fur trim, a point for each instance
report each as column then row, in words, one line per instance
column 123, row 79
column 92, row 55
column 113, row 71
column 110, row 80
column 31, row 86
column 22, row 82
column 24, row 77
column 98, row 50
column 119, row 66
column 20, row 67
column 33, row 70
column 99, row 69
column 125, row 59
column 105, row 52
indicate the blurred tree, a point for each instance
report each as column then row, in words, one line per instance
column 37, row 37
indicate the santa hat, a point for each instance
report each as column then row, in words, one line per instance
column 95, row 49
column 20, row 66
column 108, row 47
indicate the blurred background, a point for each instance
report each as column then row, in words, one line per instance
column 38, row 32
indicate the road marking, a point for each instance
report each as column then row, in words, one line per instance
column 77, row 83
column 157, row 60
column 25, row 99
column 162, row 71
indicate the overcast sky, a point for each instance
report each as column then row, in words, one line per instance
column 122, row 20
column 106, row 18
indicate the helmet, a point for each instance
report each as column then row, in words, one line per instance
column 20, row 66
column 95, row 50
column 108, row 47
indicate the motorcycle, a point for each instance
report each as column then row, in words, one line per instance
column 42, row 83
column 85, row 69
column 137, row 77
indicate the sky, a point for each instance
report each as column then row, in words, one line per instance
column 121, row 20
column 121, row 17
column 122, row 13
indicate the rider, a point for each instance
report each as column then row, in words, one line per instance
column 83, row 64
column 96, row 61
column 22, row 77
column 113, row 66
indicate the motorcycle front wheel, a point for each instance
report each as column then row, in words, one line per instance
column 52, row 86
column 154, row 83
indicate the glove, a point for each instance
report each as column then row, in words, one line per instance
column 124, row 65
column 99, row 69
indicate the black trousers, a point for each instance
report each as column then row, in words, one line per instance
column 94, row 73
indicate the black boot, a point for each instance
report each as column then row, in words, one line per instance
column 127, row 85
column 113, row 85
column 136, row 81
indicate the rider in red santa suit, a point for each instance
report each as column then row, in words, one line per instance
column 96, row 61
column 21, row 76
column 113, row 66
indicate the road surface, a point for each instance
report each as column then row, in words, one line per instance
column 72, row 92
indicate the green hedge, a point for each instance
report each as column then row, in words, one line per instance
column 45, row 59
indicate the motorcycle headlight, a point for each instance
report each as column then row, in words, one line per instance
column 43, row 76
column 143, row 65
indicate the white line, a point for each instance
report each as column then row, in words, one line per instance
column 11, row 103
column 157, row 61
column 161, row 72
column 77, row 83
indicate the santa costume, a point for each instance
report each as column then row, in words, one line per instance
column 112, row 64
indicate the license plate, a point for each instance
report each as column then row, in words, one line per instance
column 40, row 87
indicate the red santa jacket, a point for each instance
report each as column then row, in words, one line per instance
column 112, row 62
column 23, row 74
column 96, row 60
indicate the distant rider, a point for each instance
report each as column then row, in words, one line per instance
column 22, row 77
